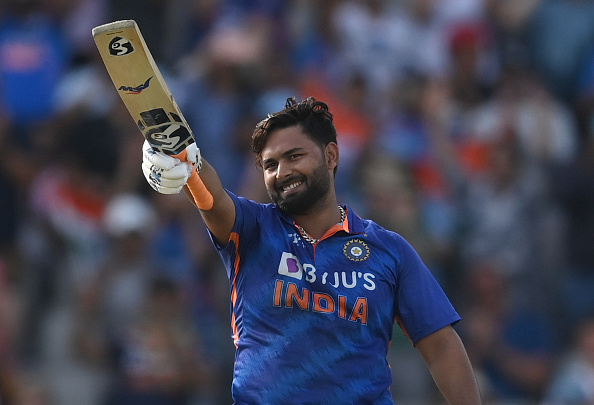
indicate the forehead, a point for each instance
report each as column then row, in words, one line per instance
column 283, row 140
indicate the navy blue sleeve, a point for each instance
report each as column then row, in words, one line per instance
column 422, row 306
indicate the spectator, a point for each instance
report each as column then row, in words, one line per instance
column 573, row 382
column 383, row 42
column 505, row 215
column 573, row 188
column 560, row 34
column 160, row 361
column 546, row 128
column 511, row 348
column 394, row 200
column 227, row 66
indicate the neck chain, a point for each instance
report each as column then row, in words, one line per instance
column 311, row 240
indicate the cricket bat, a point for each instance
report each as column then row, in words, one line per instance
column 145, row 94
column 142, row 88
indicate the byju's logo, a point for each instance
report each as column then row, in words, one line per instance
column 290, row 266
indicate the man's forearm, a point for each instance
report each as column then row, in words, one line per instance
column 450, row 367
column 219, row 211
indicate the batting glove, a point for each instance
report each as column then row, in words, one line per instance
column 167, row 174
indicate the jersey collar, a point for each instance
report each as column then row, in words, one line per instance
column 353, row 223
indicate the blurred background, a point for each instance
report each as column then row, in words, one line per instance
column 465, row 125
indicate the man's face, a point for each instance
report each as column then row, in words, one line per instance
column 296, row 171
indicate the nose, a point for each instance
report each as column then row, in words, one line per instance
column 283, row 170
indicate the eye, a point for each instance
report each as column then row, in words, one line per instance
column 270, row 166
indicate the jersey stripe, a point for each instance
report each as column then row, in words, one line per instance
column 235, row 239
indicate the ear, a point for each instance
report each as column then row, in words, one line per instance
column 332, row 155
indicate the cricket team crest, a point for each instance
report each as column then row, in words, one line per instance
column 356, row 250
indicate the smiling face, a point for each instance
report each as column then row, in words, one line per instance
column 298, row 173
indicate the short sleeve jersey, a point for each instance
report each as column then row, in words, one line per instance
column 312, row 323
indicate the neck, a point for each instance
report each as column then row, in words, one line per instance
column 318, row 221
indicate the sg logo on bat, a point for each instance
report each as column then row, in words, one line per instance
column 119, row 46
column 165, row 132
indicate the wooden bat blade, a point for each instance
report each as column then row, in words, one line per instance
column 141, row 86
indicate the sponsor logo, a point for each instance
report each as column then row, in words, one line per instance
column 165, row 131
column 165, row 137
column 119, row 46
column 137, row 89
column 291, row 266
column 288, row 295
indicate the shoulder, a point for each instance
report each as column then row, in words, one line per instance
column 245, row 204
column 387, row 240
column 376, row 232
column 250, row 213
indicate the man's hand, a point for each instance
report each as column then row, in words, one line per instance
column 167, row 174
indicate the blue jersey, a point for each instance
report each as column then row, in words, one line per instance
column 312, row 324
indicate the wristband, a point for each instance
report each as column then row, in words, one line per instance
column 202, row 197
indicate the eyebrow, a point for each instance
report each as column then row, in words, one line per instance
column 284, row 154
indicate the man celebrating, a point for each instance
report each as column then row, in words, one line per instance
column 315, row 289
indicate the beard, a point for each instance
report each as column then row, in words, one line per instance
column 316, row 187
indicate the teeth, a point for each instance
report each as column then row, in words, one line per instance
column 291, row 186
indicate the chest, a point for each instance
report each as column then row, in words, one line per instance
column 347, row 276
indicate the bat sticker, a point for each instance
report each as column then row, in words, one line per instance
column 119, row 46
column 154, row 117
column 137, row 89
column 172, row 138
column 165, row 135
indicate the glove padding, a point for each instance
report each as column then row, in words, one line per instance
column 167, row 174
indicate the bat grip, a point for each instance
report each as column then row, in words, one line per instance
column 202, row 197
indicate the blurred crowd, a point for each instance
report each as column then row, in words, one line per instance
column 467, row 126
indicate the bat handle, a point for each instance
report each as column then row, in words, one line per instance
column 202, row 197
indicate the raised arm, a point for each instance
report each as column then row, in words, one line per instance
column 169, row 175
column 220, row 217
column 448, row 363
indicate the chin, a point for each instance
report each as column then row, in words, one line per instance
column 294, row 205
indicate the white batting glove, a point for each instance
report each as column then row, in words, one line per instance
column 167, row 174
column 193, row 156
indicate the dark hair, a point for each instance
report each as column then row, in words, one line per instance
column 312, row 115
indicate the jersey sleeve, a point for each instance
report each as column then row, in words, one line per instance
column 246, row 211
column 422, row 306
column 249, row 217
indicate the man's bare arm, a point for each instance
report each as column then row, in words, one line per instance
column 220, row 218
column 446, row 358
